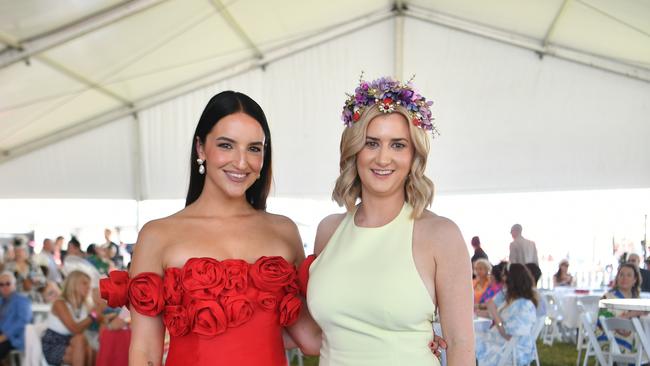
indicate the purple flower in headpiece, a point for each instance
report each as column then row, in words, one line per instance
column 386, row 93
column 383, row 84
column 405, row 95
column 361, row 98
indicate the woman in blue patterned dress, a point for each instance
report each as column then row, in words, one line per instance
column 627, row 285
column 515, row 317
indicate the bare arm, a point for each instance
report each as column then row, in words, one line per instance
column 454, row 291
column 147, row 333
column 498, row 322
column 304, row 332
column 60, row 309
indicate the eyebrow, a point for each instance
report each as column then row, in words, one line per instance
column 399, row 139
column 228, row 139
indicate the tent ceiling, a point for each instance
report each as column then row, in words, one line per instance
column 78, row 64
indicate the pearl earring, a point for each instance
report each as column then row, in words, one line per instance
column 201, row 166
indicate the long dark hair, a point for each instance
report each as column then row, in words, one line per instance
column 498, row 270
column 519, row 282
column 222, row 105
column 559, row 269
column 636, row 288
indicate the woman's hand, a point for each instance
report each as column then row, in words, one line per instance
column 502, row 330
column 437, row 344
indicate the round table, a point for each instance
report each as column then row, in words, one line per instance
column 626, row 304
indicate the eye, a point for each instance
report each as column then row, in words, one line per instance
column 398, row 145
column 255, row 149
column 225, row 145
column 372, row 144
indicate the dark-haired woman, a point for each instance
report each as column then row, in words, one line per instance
column 562, row 277
column 516, row 317
column 219, row 274
column 627, row 285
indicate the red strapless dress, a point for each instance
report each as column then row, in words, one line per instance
column 226, row 312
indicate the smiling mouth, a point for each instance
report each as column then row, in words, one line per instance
column 382, row 172
column 235, row 176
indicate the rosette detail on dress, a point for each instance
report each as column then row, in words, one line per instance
column 303, row 274
column 207, row 296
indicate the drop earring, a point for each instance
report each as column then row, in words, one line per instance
column 201, row 166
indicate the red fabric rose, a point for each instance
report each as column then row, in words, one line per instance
column 238, row 309
column 114, row 289
column 173, row 286
column 208, row 318
column 289, row 309
column 272, row 273
column 176, row 320
column 236, row 276
column 203, row 278
column 303, row 274
column 293, row 287
column 267, row 300
column 145, row 293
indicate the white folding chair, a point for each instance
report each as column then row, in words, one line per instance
column 587, row 304
column 553, row 325
column 643, row 337
column 610, row 325
column 537, row 330
column 593, row 347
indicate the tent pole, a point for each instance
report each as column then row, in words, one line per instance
column 136, row 155
column 399, row 47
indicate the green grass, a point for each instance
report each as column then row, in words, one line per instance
column 561, row 354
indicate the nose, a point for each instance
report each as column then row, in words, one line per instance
column 384, row 156
column 240, row 160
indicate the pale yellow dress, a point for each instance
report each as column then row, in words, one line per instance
column 367, row 296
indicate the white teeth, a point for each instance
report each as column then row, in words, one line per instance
column 236, row 175
column 382, row 172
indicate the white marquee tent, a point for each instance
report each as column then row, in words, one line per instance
column 98, row 99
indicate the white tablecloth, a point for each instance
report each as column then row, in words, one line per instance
column 568, row 300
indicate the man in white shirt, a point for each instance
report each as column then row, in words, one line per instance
column 522, row 250
column 46, row 259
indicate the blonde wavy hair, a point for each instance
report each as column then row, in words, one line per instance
column 70, row 289
column 418, row 189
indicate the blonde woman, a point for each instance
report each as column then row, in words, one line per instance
column 382, row 268
column 482, row 271
column 64, row 341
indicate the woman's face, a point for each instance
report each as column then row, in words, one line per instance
column 233, row 154
column 564, row 267
column 83, row 287
column 384, row 162
column 625, row 279
column 21, row 255
column 480, row 271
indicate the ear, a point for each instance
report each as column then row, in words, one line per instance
column 199, row 148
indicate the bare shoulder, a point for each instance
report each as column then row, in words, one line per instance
column 440, row 231
column 286, row 229
column 280, row 222
column 152, row 239
column 326, row 229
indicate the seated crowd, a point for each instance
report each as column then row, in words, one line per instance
column 67, row 283
column 507, row 294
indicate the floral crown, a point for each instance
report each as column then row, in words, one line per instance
column 386, row 93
